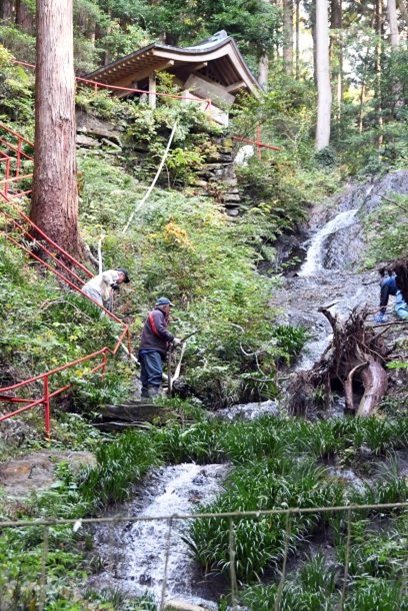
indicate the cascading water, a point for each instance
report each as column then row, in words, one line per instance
column 135, row 552
column 314, row 258
column 315, row 286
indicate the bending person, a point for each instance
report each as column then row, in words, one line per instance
column 100, row 288
column 389, row 287
column 155, row 342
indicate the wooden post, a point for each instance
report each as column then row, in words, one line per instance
column 152, row 90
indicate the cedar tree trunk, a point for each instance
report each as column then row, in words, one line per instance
column 6, row 10
column 288, row 36
column 393, row 22
column 24, row 16
column 54, row 205
column 323, row 75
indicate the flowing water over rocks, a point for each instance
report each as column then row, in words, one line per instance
column 248, row 411
column 330, row 275
column 135, row 552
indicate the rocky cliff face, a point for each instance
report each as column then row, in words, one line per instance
column 345, row 247
column 218, row 178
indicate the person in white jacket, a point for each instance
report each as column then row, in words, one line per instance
column 100, row 287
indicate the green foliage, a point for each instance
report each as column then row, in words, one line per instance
column 41, row 329
column 260, row 541
column 387, row 230
column 120, row 464
column 277, row 468
column 16, row 88
column 326, row 157
column 19, row 43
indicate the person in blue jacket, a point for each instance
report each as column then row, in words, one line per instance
column 389, row 287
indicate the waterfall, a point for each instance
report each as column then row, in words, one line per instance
column 314, row 257
column 137, row 550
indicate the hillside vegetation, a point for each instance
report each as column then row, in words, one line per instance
column 221, row 273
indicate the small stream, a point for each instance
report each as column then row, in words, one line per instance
column 329, row 277
column 135, row 551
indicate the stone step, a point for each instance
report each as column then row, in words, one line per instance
column 136, row 412
column 231, row 198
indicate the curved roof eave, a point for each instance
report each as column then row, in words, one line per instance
column 202, row 53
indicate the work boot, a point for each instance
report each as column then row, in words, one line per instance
column 153, row 392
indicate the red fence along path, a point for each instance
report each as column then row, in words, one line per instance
column 59, row 262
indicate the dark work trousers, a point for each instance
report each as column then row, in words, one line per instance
column 151, row 365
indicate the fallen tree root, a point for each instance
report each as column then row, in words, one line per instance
column 375, row 382
column 354, row 361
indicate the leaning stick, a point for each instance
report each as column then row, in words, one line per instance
column 178, row 368
column 159, row 169
column 100, row 264
column 169, row 378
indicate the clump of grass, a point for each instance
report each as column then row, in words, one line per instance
column 313, row 587
column 260, row 541
column 197, row 443
column 368, row 593
column 120, row 464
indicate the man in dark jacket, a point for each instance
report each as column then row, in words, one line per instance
column 155, row 342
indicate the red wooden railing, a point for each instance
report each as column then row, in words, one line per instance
column 60, row 263
column 67, row 271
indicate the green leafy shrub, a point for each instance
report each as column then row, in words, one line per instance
column 387, row 231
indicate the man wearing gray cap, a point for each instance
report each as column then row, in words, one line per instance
column 154, row 344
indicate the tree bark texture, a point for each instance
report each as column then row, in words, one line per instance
column 324, row 97
column 378, row 68
column 355, row 358
column 393, row 23
column 403, row 7
column 54, row 205
column 288, row 36
column 6, row 10
column 375, row 384
column 264, row 71
column 336, row 51
column 24, row 17
column 297, row 43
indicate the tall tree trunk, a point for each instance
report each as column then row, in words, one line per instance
column 403, row 7
column 288, row 36
column 323, row 75
column 24, row 17
column 393, row 22
column 378, row 68
column 313, row 26
column 6, row 10
column 264, row 66
column 264, row 71
column 54, row 205
column 336, row 55
column 297, row 43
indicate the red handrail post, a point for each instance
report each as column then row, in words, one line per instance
column 129, row 344
column 47, row 411
column 6, row 185
column 104, row 359
column 18, row 157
